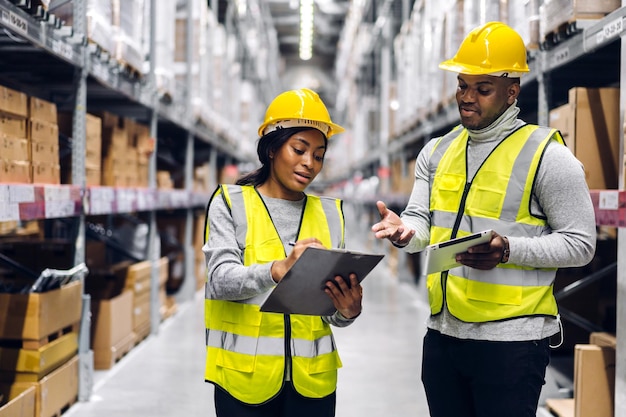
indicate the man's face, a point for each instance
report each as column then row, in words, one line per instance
column 483, row 98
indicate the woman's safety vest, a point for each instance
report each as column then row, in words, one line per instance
column 247, row 349
column 498, row 198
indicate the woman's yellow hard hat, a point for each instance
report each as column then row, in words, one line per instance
column 490, row 49
column 301, row 107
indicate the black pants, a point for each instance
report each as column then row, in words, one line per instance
column 472, row 378
column 288, row 403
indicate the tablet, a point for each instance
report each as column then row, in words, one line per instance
column 441, row 256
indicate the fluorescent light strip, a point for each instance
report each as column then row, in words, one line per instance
column 306, row 29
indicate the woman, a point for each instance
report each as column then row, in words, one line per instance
column 271, row 364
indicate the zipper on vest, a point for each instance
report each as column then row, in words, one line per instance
column 455, row 229
column 288, row 373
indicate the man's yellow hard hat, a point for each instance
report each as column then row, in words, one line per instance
column 302, row 107
column 490, row 49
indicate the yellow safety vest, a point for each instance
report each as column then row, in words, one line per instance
column 247, row 349
column 498, row 198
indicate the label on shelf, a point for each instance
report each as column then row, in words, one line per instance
column 9, row 212
column 611, row 30
column 608, row 200
column 15, row 22
column 22, row 193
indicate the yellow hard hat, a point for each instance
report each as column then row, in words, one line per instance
column 490, row 49
column 301, row 107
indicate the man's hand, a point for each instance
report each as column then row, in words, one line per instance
column 485, row 256
column 391, row 227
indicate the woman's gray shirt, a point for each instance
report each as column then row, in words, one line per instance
column 227, row 277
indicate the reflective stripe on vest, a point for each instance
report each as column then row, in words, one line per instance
column 498, row 197
column 246, row 349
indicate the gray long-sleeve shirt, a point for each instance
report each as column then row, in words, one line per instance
column 561, row 194
column 228, row 278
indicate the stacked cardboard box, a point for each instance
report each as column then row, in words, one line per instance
column 556, row 13
column 594, row 380
column 93, row 148
column 38, row 346
column 112, row 333
column 143, row 143
column 168, row 305
column 43, row 135
column 15, row 157
column 21, row 404
column 138, row 277
column 198, row 242
column 590, row 126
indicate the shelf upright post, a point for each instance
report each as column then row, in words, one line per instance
column 189, row 282
column 620, row 328
column 543, row 90
column 385, row 82
column 85, row 354
column 153, row 248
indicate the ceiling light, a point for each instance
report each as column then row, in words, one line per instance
column 306, row 29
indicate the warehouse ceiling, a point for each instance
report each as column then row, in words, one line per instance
column 329, row 19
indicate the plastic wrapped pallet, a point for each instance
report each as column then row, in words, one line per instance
column 554, row 14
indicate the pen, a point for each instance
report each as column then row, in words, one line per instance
column 292, row 243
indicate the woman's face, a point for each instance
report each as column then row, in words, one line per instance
column 295, row 165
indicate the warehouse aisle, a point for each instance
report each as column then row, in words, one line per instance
column 163, row 375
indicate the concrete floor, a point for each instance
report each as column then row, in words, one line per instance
column 381, row 354
column 163, row 375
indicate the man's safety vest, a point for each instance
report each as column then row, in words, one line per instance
column 498, row 198
column 247, row 349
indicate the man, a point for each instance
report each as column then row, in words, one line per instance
column 487, row 345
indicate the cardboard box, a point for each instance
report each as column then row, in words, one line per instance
column 15, row 171
column 138, row 277
column 14, row 149
column 46, row 152
column 594, row 381
column 41, row 109
column 22, row 404
column 13, row 126
column 56, row 391
column 43, row 131
column 105, row 358
column 593, row 127
column 561, row 407
column 112, row 333
column 13, row 102
column 37, row 315
column 111, row 320
column 141, row 311
column 34, row 364
column 603, row 339
column 46, row 173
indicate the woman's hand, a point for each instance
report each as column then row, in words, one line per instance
column 346, row 298
column 280, row 268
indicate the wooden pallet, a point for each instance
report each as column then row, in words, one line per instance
column 105, row 359
column 142, row 331
column 65, row 408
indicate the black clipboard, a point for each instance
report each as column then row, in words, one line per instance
column 301, row 291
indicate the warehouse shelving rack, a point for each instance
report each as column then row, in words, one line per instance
column 592, row 56
column 41, row 57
